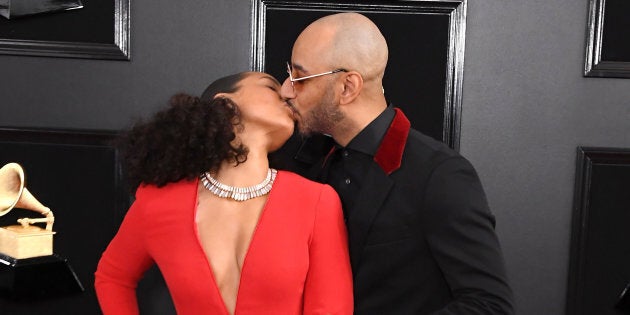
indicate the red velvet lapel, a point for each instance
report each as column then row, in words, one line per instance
column 389, row 154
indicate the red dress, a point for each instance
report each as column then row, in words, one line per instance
column 297, row 261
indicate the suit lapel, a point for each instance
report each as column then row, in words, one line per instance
column 366, row 208
column 390, row 151
column 377, row 184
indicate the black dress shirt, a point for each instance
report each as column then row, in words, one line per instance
column 346, row 167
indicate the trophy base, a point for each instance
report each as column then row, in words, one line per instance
column 21, row 242
column 38, row 277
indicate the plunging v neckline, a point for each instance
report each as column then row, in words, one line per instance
column 215, row 285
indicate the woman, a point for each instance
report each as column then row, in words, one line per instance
column 276, row 245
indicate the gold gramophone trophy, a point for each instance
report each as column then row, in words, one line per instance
column 28, row 267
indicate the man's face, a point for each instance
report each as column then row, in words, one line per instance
column 313, row 98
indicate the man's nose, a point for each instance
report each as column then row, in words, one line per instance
column 286, row 90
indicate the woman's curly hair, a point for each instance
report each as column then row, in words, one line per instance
column 193, row 135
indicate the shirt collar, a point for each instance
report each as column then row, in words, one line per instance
column 369, row 139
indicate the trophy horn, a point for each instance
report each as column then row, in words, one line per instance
column 13, row 194
column 11, row 186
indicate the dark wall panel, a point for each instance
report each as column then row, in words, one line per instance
column 77, row 175
column 600, row 255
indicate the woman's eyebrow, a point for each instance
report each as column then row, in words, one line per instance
column 272, row 79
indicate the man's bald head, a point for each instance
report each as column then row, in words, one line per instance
column 346, row 40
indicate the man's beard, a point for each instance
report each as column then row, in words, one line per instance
column 323, row 117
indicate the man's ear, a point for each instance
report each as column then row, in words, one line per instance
column 352, row 86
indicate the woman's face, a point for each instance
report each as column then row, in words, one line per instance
column 263, row 109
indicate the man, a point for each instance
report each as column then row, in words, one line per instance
column 421, row 235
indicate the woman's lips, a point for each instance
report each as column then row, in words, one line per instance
column 293, row 110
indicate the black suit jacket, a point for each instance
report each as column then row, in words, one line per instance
column 421, row 235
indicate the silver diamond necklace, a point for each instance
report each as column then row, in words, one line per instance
column 238, row 193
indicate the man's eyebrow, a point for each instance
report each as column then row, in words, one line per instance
column 299, row 67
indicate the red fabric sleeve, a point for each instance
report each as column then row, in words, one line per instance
column 328, row 288
column 122, row 265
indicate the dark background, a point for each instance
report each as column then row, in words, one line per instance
column 616, row 39
column 94, row 23
column 77, row 176
column 600, row 254
column 415, row 79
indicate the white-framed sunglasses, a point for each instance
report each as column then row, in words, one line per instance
column 292, row 79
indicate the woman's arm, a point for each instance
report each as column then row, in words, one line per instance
column 328, row 288
column 122, row 265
